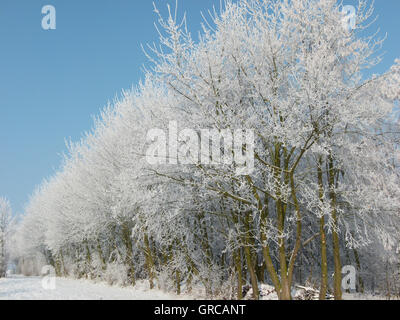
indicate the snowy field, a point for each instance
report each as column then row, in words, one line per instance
column 30, row 288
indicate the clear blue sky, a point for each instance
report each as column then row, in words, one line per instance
column 52, row 82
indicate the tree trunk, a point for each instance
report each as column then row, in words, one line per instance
column 238, row 266
column 149, row 260
column 337, row 284
column 249, row 260
column 324, row 259
column 358, row 264
column 126, row 234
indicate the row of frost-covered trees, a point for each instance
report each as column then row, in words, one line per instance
column 324, row 192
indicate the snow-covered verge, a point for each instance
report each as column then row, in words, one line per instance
column 30, row 288
column 358, row 296
column 268, row 292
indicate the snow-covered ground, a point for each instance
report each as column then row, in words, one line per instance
column 267, row 292
column 30, row 288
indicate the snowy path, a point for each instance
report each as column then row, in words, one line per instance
column 30, row 288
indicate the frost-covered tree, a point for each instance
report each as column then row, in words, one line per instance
column 5, row 230
column 290, row 71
